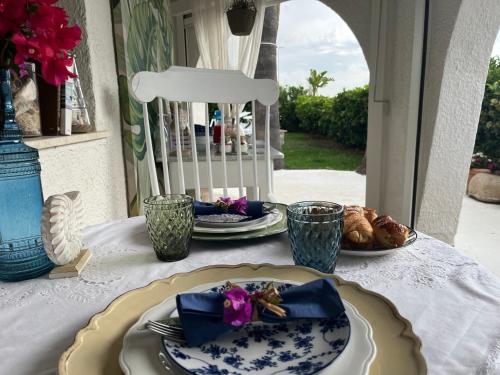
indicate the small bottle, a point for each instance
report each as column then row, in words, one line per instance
column 217, row 127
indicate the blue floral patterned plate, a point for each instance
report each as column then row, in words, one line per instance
column 301, row 347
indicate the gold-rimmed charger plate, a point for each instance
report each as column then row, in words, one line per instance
column 97, row 346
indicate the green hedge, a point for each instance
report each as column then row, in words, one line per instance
column 287, row 102
column 342, row 118
column 488, row 131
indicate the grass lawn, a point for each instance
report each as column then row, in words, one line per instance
column 306, row 151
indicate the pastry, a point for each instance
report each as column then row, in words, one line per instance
column 388, row 232
column 370, row 214
column 358, row 232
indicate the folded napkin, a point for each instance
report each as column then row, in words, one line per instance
column 254, row 209
column 201, row 314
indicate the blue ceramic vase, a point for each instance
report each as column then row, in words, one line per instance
column 22, row 255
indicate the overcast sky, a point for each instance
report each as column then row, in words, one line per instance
column 311, row 35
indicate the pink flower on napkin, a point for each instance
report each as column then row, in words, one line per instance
column 237, row 307
column 224, row 203
column 240, row 205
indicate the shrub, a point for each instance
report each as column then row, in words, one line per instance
column 343, row 118
column 349, row 118
column 488, row 131
column 313, row 113
column 287, row 102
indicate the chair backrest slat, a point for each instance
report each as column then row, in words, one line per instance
column 178, row 147
column 238, row 151
column 208, row 155
column 267, row 157
column 223, row 151
column 149, row 151
column 254, row 151
column 163, row 146
column 194, row 153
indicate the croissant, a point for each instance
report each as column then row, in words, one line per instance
column 370, row 214
column 388, row 232
column 357, row 229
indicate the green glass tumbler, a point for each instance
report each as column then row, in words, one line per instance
column 170, row 220
column 315, row 231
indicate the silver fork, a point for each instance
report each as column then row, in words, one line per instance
column 173, row 332
column 170, row 365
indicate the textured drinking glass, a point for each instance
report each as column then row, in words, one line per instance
column 170, row 220
column 315, row 230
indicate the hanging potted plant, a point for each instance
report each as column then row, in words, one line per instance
column 241, row 16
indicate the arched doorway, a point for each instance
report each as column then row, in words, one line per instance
column 320, row 158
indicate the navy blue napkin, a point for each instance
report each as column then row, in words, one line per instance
column 201, row 313
column 254, row 209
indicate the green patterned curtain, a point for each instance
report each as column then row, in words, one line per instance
column 143, row 41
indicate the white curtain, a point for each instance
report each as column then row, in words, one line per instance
column 212, row 33
column 218, row 48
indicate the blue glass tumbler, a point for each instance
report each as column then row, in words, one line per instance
column 315, row 231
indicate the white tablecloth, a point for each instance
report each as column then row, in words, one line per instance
column 452, row 302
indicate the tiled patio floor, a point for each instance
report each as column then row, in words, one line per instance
column 478, row 232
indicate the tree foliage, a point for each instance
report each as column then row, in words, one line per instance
column 488, row 131
column 342, row 118
column 318, row 80
column 287, row 104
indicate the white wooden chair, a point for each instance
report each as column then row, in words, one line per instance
column 190, row 85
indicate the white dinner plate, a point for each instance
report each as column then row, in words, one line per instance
column 270, row 219
column 140, row 354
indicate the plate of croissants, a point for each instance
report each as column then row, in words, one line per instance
column 368, row 234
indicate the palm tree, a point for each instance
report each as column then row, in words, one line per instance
column 317, row 80
column 267, row 68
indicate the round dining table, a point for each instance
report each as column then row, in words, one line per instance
column 452, row 301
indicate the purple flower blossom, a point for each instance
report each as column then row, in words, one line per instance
column 240, row 205
column 224, row 203
column 226, row 200
column 237, row 307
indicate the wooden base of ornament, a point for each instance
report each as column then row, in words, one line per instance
column 72, row 269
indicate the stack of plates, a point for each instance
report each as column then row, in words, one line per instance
column 370, row 338
column 230, row 227
column 344, row 345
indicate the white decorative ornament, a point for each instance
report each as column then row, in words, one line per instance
column 62, row 224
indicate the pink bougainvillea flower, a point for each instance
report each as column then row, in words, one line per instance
column 240, row 205
column 56, row 71
column 48, row 21
column 38, row 30
column 224, row 203
column 237, row 307
column 31, row 49
column 13, row 14
column 43, row 2
column 68, row 38
column 226, row 200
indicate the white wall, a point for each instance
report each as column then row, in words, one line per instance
column 95, row 168
column 462, row 34
column 393, row 104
